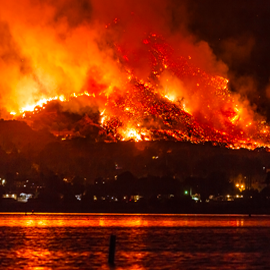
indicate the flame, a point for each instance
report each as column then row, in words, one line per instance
column 131, row 133
column 143, row 88
column 170, row 97
column 40, row 103
column 143, row 110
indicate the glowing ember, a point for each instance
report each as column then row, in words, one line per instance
column 131, row 133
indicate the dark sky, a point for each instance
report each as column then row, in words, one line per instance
column 239, row 34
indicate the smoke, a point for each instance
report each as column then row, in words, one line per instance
column 48, row 49
column 237, row 34
column 53, row 48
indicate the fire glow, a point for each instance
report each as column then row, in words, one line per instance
column 144, row 111
column 145, row 92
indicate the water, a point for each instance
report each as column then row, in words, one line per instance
column 76, row 241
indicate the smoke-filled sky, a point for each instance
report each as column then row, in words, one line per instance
column 238, row 34
column 55, row 47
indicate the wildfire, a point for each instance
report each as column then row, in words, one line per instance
column 131, row 133
column 177, row 101
column 41, row 103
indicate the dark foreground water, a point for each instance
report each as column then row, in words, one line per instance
column 75, row 241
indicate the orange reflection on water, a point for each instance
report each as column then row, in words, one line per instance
column 34, row 252
column 30, row 254
column 130, row 220
column 123, row 220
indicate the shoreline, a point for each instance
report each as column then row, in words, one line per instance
column 137, row 208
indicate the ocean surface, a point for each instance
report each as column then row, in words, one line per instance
column 81, row 241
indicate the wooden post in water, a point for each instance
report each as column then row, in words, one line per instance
column 112, row 249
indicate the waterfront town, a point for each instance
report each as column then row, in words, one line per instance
column 167, row 181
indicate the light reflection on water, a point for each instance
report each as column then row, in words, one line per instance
column 131, row 220
column 80, row 241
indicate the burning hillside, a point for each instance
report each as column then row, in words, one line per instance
column 177, row 101
column 96, row 79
